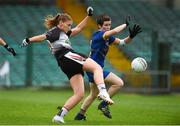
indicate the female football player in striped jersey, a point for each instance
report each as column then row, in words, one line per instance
column 101, row 40
column 11, row 50
column 71, row 63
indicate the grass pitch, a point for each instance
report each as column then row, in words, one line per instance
column 37, row 107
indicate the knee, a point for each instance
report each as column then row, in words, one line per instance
column 80, row 95
column 119, row 84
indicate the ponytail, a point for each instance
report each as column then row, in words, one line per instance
column 51, row 21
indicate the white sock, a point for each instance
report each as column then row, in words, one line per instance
column 63, row 112
column 101, row 87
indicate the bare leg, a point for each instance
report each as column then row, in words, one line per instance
column 115, row 82
column 77, row 84
column 91, row 66
column 90, row 98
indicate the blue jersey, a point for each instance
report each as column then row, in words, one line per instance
column 100, row 47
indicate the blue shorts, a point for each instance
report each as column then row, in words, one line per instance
column 90, row 76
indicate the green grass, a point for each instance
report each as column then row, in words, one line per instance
column 37, row 107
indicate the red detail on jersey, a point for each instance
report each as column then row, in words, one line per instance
column 80, row 58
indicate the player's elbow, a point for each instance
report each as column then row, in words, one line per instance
column 76, row 30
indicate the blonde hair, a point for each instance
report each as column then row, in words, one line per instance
column 50, row 21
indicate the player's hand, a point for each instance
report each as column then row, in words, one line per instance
column 25, row 42
column 11, row 50
column 90, row 11
column 127, row 20
column 134, row 31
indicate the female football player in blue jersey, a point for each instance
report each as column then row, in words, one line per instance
column 7, row 47
column 71, row 63
column 99, row 47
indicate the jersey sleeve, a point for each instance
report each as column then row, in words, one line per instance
column 100, row 35
column 53, row 34
column 69, row 33
column 111, row 39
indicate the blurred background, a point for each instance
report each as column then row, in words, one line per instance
column 35, row 66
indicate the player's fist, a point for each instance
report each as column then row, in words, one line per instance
column 25, row 42
column 134, row 31
column 90, row 11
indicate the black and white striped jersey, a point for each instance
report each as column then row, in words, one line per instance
column 57, row 39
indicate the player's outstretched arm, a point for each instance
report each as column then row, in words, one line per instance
column 83, row 23
column 114, row 31
column 8, row 48
column 38, row 38
column 132, row 33
column 117, row 29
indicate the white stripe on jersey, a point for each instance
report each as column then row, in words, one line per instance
column 63, row 41
column 75, row 57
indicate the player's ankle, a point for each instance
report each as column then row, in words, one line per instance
column 82, row 111
column 62, row 112
column 102, row 87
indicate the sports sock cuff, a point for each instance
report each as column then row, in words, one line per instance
column 63, row 112
column 82, row 111
column 64, row 109
column 101, row 87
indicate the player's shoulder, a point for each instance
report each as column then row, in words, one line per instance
column 98, row 33
column 54, row 29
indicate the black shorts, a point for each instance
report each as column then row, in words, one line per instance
column 71, row 63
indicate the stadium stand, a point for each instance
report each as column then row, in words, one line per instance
column 154, row 19
column 17, row 21
column 151, row 17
